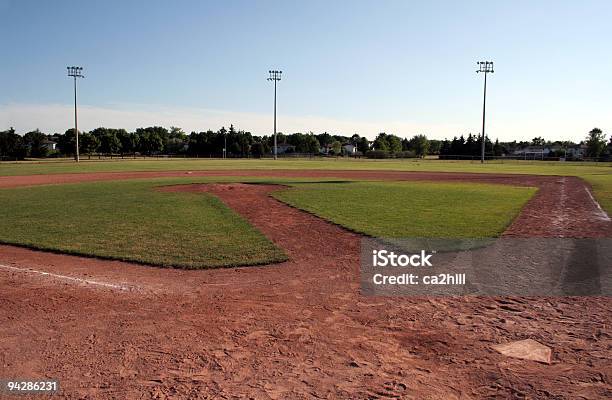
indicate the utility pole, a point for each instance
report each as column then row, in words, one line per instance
column 76, row 72
column 275, row 76
column 484, row 67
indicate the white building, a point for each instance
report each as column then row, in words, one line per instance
column 349, row 149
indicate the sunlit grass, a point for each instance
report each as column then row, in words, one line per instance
column 511, row 166
column 131, row 221
column 412, row 209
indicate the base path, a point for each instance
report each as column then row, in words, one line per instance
column 296, row 330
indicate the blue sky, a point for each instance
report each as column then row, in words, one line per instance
column 403, row 67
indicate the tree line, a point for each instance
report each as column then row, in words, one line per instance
column 157, row 140
column 595, row 146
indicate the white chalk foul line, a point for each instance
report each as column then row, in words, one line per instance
column 67, row 278
column 601, row 213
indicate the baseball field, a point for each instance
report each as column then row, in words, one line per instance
column 207, row 278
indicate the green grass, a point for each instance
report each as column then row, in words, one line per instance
column 129, row 220
column 597, row 174
column 602, row 187
column 518, row 167
column 412, row 209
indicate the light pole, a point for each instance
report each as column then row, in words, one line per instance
column 76, row 72
column 484, row 67
column 275, row 76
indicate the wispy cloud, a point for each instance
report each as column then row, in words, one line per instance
column 59, row 117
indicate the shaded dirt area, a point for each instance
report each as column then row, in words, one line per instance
column 299, row 329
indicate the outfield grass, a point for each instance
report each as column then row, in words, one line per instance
column 599, row 175
column 517, row 167
column 128, row 220
column 412, row 209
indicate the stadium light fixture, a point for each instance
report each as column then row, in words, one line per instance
column 275, row 76
column 485, row 67
column 76, row 72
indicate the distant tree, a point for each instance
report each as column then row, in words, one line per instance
column 12, row 145
column 445, row 148
column 177, row 141
column 342, row 139
column 36, row 143
column 325, row 139
column 311, row 144
column 364, row 145
column 394, row 143
column 88, row 143
column 109, row 141
column 129, row 141
column 380, row 143
column 298, row 140
column 434, row 146
column 281, row 138
column 497, row 148
column 67, row 142
column 337, row 147
column 457, row 146
column 152, row 140
column 234, row 147
column 405, row 144
column 176, row 133
column 472, row 145
column 257, row 149
column 538, row 141
column 151, row 143
column 596, row 143
column 420, row 145
column 266, row 146
column 200, row 143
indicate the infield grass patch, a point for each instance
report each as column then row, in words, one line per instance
column 412, row 209
column 129, row 220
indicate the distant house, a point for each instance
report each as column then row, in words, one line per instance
column 326, row 149
column 555, row 150
column 577, row 151
column 284, row 148
column 50, row 145
column 349, row 149
column 532, row 152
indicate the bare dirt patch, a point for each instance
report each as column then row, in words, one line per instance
column 299, row 329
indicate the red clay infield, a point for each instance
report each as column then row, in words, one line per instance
column 299, row 329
